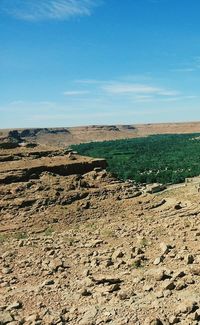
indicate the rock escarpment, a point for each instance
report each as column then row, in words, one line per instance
column 31, row 164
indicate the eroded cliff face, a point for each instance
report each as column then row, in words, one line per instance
column 8, row 143
column 80, row 247
column 40, row 177
column 26, row 170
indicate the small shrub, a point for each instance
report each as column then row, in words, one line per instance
column 144, row 242
column 136, row 264
column 91, row 226
column 48, row 231
column 108, row 233
column 3, row 238
column 20, row 235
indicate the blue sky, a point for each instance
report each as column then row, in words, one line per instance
column 80, row 62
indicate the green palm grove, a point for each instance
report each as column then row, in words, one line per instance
column 158, row 158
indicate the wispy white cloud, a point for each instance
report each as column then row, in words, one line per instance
column 89, row 81
column 124, row 88
column 35, row 10
column 176, row 98
column 132, row 88
column 144, row 99
column 183, row 70
column 98, row 108
column 25, row 106
column 156, row 99
column 191, row 66
column 71, row 116
column 132, row 93
column 76, row 92
column 164, row 92
column 25, row 103
column 197, row 62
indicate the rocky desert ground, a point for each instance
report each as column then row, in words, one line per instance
column 78, row 246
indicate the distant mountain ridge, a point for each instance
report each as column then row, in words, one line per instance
column 65, row 136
